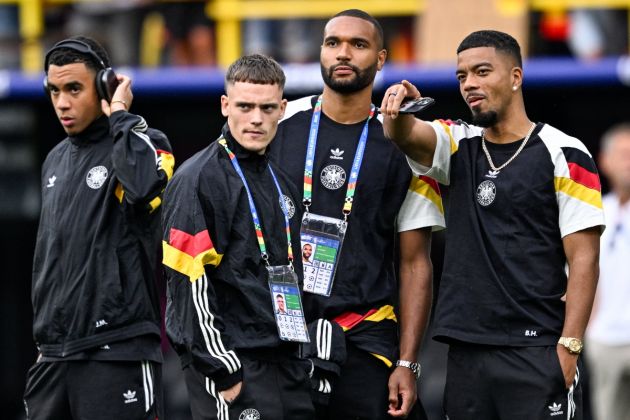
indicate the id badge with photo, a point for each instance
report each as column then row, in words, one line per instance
column 287, row 304
column 321, row 238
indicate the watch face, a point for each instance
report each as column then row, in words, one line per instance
column 575, row 346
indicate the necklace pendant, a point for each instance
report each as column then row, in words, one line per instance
column 492, row 173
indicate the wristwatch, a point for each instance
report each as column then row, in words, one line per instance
column 574, row 345
column 413, row 366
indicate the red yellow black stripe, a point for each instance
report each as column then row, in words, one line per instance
column 188, row 254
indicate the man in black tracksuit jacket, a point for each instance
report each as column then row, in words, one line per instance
column 96, row 309
column 220, row 314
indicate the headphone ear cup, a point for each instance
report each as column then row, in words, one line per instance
column 100, row 89
column 45, row 86
column 106, row 84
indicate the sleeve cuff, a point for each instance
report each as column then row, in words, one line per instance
column 417, row 168
column 228, row 381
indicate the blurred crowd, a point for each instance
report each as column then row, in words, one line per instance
column 157, row 33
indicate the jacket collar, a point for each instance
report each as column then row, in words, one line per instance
column 246, row 158
column 95, row 132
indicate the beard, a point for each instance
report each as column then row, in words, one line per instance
column 362, row 79
column 485, row 119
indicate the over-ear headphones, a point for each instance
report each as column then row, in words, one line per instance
column 105, row 82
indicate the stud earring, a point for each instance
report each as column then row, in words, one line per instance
column 514, row 88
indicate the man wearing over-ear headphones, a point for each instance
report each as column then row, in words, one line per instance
column 96, row 310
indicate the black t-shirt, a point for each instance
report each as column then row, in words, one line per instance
column 365, row 277
column 504, row 265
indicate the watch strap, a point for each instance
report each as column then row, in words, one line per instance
column 413, row 366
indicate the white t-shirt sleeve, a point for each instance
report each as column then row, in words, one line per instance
column 422, row 206
column 448, row 136
column 577, row 185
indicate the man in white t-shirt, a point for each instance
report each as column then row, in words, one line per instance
column 608, row 333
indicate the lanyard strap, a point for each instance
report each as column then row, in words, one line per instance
column 252, row 206
column 310, row 160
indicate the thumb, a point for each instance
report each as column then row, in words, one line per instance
column 393, row 395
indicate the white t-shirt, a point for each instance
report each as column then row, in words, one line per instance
column 610, row 321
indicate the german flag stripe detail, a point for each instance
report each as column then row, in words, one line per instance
column 190, row 266
column 428, row 188
column 188, row 254
column 384, row 312
column 578, row 191
column 383, row 359
column 584, row 177
column 447, row 122
column 119, row 192
column 154, row 204
column 192, row 245
column 431, row 183
column 348, row 320
column 575, row 155
column 447, row 128
column 167, row 162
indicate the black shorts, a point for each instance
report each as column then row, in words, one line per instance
column 516, row 383
column 94, row 390
column 361, row 391
column 273, row 388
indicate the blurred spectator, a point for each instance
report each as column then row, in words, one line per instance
column 8, row 21
column 116, row 24
column 608, row 334
column 399, row 41
column 288, row 41
column 299, row 40
column 9, row 37
column 595, row 33
column 549, row 31
column 190, row 34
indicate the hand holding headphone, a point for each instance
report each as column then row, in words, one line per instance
column 121, row 100
column 106, row 80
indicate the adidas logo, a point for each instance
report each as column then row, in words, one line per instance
column 51, row 181
column 130, row 396
column 492, row 174
column 555, row 409
column 336, row 154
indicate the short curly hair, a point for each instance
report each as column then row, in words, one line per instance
column 357, row 13
column 498, row 40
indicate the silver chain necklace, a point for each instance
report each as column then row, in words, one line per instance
column 485, row 149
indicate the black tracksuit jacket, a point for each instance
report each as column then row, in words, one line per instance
column 219, row 304
column 98, row 237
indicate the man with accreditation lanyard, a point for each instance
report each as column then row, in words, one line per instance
column 229, row 220
column 358, row 193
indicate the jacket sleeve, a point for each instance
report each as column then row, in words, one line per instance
column 142, row 158
column 193, row 325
